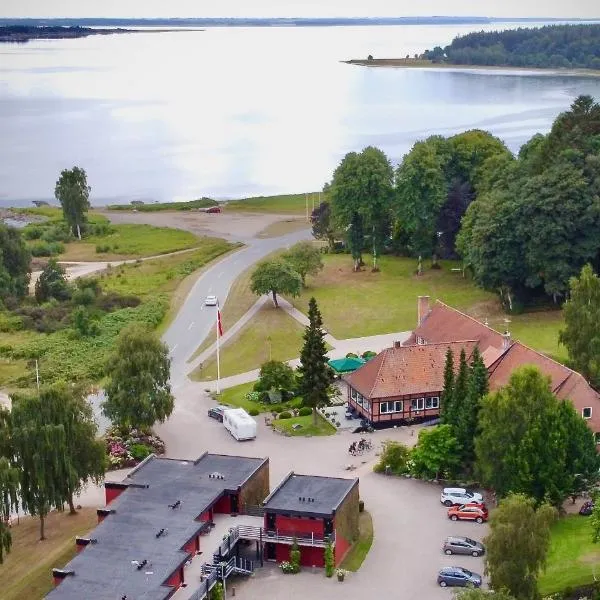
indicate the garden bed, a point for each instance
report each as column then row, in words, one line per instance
column 128, row 447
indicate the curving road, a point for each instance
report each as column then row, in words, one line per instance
column 194, row 320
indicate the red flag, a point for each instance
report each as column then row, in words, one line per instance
column 219, row 324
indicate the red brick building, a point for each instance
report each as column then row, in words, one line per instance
column 403, row 383
column 312, row 510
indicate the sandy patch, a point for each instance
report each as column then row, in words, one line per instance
column 229, row 225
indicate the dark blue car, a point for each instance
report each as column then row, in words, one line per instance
column 458, row 577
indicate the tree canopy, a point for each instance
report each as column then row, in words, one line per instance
column 52, row 283
column 138, row 392
column 305, row 259
column 15, row 260
column 275, row 375
column 553, row 46
column 581, row 334
column 517, row 545
column 531, row 442
column 73, row 193
column 9, row 485
column 275, row 277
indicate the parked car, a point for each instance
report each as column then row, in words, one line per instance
column 213, row 209
column 211, row 300
column 586, row 508
column 217, row 412
column 468, row 512
column 458, row 577
column 454, row 496
column 463, row 545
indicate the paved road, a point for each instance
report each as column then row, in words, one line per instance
column 194, row 321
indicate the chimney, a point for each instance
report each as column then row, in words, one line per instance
column 506, row 340
column 423, row 309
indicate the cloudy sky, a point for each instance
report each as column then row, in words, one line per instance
column 300, row 8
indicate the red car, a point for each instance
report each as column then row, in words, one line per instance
column 469, row 512
column 213, row 209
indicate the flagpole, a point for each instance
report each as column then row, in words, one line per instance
column 218, row 350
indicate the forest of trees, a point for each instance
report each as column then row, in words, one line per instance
column 552, row 46
column 522, row 225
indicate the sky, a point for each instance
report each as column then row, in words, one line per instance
column 297, row 8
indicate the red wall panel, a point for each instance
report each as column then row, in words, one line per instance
column 223, row 505
column 342, row 545
column 296, row 526
column 111, row 493
column 282, row 552
column 176, row 579
column 311, row 555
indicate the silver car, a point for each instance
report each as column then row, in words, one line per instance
column 463, row 545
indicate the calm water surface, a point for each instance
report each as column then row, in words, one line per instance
column 231, row 112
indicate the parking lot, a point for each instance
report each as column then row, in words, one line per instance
column 409, row 521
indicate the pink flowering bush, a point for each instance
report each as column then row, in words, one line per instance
column 127, row 447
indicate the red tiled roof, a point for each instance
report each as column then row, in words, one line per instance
column 407, row 370
column 446, row 324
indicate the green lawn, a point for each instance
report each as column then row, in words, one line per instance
column 573, row 559
column 307, row 429
column 357, row 554
column 130, row 241
column 538, row 330
column 284, row 204
column 270, row 335
column 236, row 396
column 160, row 206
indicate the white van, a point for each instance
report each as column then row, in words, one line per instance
column 239, row 424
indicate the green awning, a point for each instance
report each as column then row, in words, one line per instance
column 346, row 365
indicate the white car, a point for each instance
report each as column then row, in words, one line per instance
column 454, row 496
column 211, row 301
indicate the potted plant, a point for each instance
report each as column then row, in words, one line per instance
column 341, row 574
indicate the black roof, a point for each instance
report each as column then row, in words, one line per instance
column 104, row 569
column 309, row 495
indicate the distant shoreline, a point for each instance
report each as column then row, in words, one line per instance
column 22, row 35
column 412, row 63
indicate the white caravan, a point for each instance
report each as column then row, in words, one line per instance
column 239, row 424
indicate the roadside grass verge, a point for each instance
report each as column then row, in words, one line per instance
column 573, row 558
column 270, row 335
column 307, row 428
column 160, row 206
column 366, row 303
column 130, row 241
column 357, row 554
column 280, row 228
column 283, row 204
column 27, row 568
column 68, row 356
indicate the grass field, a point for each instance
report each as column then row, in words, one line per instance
column 573, row 560
column 130, row 241
column 270, row 335
column 357, row 554
column 236, row 397
column 307, row 428
column 159, row 206
column 284, row 204
column 27, row 569
column 366, row 303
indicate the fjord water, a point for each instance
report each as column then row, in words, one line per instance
column 227, row 112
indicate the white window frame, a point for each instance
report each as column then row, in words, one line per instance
column 597, row 437
column 417, row 404
column 420, row 341
column 583, row 412
column 394, row 407
column 367, row 405
column 353, row 393
column 399, row 403
column 432, row 404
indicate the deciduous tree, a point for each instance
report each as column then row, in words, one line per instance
column 581, row 334
column 523, row 443
column 73, row 193
column 437, row 452
column 314, row 373
column 15, row 260
column 52, row 283
column 479, row 594
column 517, row 545
column 275, row 375
column 305, row 259
column 322, row 223
column 9, row 485
column 138, row 392
column 275, row 277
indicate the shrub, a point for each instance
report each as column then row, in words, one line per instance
column 351, row 355
column 33, row 232
column 140, row 451
column 84, row 297
column 329, row 562
column 102, row 248
column 285, row 415
column 395, row 456
column 57, row 233
column 361, row 506
column 253, row 412
column 295, row 556
column 47, row 249
column 305, row 411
